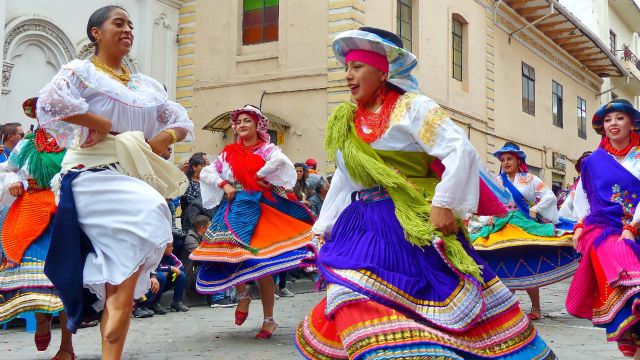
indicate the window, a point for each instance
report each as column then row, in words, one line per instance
column 456, row 35
column 260, row 21
column 405, row 15
column 612, row 41
column 534, row 170
column 556, row 103
column 582, row 118
column 528, row 89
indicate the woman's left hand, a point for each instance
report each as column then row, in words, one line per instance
column 533, row 214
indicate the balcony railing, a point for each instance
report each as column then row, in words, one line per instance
column 625, row 54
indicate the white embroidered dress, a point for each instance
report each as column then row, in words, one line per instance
column 127, row 221
column 535, row 191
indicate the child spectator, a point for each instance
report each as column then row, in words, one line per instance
column 191, row 242
column 170, row 274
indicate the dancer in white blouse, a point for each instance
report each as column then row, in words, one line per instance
column 113, row 222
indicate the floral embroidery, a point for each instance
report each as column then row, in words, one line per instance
column 402, row 108
column 526, row 180
column 431, row 124
column 626, row 201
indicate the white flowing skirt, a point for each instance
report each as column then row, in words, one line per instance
column 129, row 225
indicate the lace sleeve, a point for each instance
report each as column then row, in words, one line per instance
column 175, row 116
column 58, row 100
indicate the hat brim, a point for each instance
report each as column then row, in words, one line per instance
column 519, row 153
column 235, row 113
column 598, row 117
column 29, row 107
column 401, row 61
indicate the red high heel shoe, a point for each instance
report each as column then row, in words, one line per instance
column 266, row 334
column 627, row 347
column 241, row 316
column 42, row 341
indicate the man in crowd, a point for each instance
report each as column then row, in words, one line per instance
column 11, row 134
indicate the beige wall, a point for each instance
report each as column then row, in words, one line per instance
column 538, row 132
column 289, row 75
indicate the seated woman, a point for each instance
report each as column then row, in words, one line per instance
column 526, row 248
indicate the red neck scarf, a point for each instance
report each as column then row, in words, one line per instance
column 245, row 164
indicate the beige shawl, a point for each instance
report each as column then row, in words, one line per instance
column 134, row 158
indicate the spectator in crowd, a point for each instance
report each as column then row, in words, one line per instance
column 140, row 309
column 194, row 210
column 312, row 166
column 301, row 190
column 320, row 193
column 11, row 134
column 191, row 242
column 170, row 274
column 196, row 163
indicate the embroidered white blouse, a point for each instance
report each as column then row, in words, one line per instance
column 581, row 203
column 278, row 170
column 79, row 88
column 417, row 124
column 535, row 191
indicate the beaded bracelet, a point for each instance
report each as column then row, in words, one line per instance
column 632, row 229
column 578, row 226
column 223, row 183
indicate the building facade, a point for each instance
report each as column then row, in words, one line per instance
column 40, row 36
column 617, row 23
column 525, row 71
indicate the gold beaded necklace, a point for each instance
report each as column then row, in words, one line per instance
column 123, row 78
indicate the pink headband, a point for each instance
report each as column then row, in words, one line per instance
column 374, row 59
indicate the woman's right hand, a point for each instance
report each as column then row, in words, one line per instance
column 16, row 189
column 230, row 191
column 576, row 238
column 94, row 137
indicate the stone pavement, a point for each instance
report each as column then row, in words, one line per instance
column 205, row 333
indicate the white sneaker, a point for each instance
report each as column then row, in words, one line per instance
column 286, row 293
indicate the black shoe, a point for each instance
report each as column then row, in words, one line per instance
column 145, row 308
column 141, row 313
column 158, row 309
column 223, row 303
column 179, row 306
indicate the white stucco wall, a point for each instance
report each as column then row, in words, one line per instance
column 36, row 52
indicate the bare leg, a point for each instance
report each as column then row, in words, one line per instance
column 66, row 345
column 267, row 288
column 534, row 295
column 117, row 316
column 243, row 303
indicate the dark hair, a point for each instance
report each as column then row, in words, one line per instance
column 200, row 221
column 580, row 159
column 10, row 129
column 196, row 159
column 98, row 18
column 301, row 187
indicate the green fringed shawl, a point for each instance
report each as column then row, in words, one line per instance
column 368, row 169
column 42, row 166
